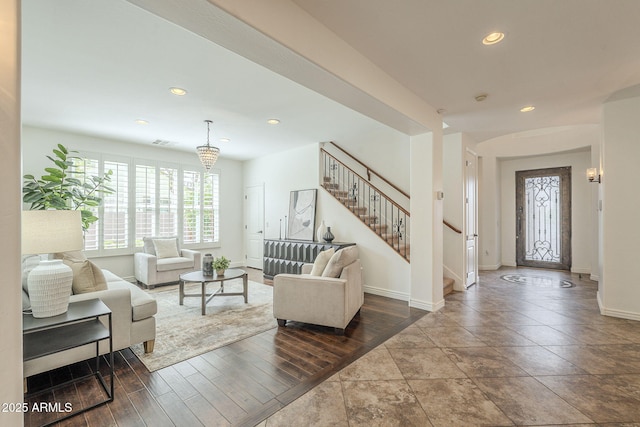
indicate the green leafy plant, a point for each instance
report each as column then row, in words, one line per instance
column 61, row 189
column 221, row 263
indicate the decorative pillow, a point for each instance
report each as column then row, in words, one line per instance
column 87, row 277
column 166, row 248
column 74, row 255
column 321, row 261
column 339, row 260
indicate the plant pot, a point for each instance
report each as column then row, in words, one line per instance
column 220, row 271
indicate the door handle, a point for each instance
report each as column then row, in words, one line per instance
column 260, row 232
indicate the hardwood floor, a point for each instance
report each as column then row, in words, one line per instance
column 239, row 384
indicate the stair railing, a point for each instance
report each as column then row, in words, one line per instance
column 381, row 213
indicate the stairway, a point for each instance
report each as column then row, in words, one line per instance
column 447, row 285
column 392, row 234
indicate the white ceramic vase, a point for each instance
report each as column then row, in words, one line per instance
column 321, row 230
column 50, row 288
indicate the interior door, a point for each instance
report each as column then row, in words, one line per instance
column 254, row 225
column 543, row 218
column 471, row 218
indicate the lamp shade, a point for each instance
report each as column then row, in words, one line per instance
column 47, row 231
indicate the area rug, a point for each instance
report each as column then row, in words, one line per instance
column 543, row 282
column 183, row 332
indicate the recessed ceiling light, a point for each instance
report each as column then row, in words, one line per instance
column 178, row 91
column 527, row 108
column 225, row 140
column 273, row 121
column 493, row 38
column 141, row 121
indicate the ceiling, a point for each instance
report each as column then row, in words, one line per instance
column 95, row 66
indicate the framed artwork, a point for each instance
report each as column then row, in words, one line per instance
column 302, row 214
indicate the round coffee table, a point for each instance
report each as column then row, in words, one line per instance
column 229, row 274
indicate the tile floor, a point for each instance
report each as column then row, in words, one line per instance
column 500, row 354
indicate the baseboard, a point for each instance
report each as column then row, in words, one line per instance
column 489, row 267
column 622, row 314
column 594, row 277
column 130, row 279
column 386, row 293
column 580, row 270
column 425, row 305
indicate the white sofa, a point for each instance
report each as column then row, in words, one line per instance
column 133, row 322
column 326, row 301
column 152, row 270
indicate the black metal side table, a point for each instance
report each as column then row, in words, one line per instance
column 79, row 326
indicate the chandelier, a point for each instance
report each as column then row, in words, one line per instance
column 207, row 153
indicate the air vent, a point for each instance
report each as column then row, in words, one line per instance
column 162, row 142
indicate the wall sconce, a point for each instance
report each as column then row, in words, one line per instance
column 593, row 175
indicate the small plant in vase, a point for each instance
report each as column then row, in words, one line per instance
column 220, row 265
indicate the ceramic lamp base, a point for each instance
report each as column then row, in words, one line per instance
column 49, row 288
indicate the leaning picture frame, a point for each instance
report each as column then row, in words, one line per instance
column 302, row 214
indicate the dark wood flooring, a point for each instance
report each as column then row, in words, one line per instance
column 239, row 384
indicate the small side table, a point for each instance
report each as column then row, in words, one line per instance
column 198, row 276
column 79, row 326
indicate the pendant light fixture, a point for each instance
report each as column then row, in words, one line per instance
column 207, row 153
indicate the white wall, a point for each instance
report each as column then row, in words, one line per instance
column 489, row 214
column 385, row 272
column 453, row 208
column 534, row 143
column 10, row 305
column 39, row 142
column 619, row 293
column 582, row 230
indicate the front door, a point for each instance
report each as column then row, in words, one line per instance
column 254, row 225
column 543, row 218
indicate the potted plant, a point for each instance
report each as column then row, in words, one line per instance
column 220, row 265
column 61, row 189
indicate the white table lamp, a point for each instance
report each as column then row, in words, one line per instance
column 44, row 232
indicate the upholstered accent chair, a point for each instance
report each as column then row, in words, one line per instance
column 162, row 261
column 328, row 292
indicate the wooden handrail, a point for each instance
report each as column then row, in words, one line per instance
column 451, row 227
column 369, row 171
column 400, row 208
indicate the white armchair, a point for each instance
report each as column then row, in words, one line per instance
column 162, row 262
column 320, row 300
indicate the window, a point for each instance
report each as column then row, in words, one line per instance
column 151, row 199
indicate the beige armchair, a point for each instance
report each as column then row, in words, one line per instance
column 320, row 300
column 162, row 261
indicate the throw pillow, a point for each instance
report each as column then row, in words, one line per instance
column 87, row 277
column 339, row 260
column 166, row 248
column 321, row 261
column 74, row 255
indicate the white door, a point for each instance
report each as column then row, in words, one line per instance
column 471, row 192
column 254, row 225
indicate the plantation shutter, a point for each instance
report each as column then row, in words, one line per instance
column 145, row 203
column 191, row 200
column 168, row 202
column 115, row 221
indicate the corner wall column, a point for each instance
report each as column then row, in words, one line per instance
column 426, row 222
column 10, row 188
